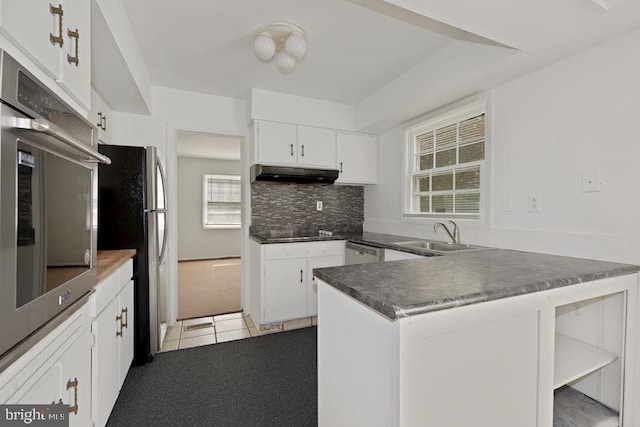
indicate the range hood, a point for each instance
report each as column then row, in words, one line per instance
column 293, row 174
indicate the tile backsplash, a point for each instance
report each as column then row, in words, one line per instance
column 282, row 207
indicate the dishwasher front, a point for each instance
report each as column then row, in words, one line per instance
column 361, row 254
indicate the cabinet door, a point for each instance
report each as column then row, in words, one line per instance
column 277, row 143
column 357, row 158
column 76, row 76
column 320, row 262
column 126, row 341
column 100, row 116
column 494, row 354
column 106, row 362
column 285, row 290
column 316, row 147
column 75, row 387
column 46, row 390
column 31, row 24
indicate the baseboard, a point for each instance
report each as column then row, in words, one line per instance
column 208, row 258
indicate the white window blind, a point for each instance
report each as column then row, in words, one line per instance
column 221, row 201
column 445, row 164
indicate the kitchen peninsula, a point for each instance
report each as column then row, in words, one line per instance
column 486, row 338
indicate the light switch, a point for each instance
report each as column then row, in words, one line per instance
column 591, row 182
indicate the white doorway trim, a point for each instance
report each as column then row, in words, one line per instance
column 172, row 256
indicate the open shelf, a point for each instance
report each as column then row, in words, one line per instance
column 573, row 409
column 575, row 359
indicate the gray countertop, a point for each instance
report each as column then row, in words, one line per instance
column 377, row 240
column 398, row 289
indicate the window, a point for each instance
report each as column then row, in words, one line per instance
column 221, row 201
column 445, row 164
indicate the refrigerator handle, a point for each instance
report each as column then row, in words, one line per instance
column 164, row 241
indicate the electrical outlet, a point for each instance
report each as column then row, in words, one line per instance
column 534, row 204
column 319, row 205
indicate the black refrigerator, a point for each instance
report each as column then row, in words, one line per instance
column 132, row 215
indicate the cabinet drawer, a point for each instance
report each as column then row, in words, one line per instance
column 125, row 274
column 106, row 291
column 110, row 287
column 303, row 250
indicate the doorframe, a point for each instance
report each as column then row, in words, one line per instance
column 172, row 190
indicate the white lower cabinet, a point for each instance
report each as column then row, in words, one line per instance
column 112, row 332
column 84, row 360
column 285, row 288
column 67, row 381
column 312, row 293
column 562, row 357
column 55, row 370
column 75, row 387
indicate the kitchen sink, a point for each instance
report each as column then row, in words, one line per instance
column 434, row 246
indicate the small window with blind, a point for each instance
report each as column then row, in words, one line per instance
column 221, row 201
column 445, row 164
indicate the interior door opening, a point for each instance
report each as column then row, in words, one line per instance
column 209, row 239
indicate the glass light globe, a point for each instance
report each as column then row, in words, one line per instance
column 285, row 62
column 264, row 46
column 296, row 46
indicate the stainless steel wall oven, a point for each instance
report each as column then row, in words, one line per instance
column 48, row 199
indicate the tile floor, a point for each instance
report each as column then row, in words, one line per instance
column 218, row 329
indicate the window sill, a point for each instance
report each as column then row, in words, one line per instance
column 222, row 227
column 410, row 216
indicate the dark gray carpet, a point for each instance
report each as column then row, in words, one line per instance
column 264, row 381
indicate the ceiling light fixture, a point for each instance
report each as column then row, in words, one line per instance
column 287, row 42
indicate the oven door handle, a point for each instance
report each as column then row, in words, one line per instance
column 47, row 128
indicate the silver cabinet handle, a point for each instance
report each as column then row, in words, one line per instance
column 59, row 40
column 292, row 149
column 47, row 128
column 302, row 150
column 102, row 121
column 74, row 59
column 300, row 276
column 340, row 167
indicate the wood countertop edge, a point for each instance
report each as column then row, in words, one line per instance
column 109, row 261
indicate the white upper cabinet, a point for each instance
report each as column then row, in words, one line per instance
column 56, row 37
column 357, row 158
column 100, row 116
column 76, row 53
column 34, row 26
column 316, row 147
column 287, row 144
column 276, row 143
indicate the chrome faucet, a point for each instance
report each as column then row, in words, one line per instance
column 455, row 236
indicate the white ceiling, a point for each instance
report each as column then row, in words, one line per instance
column 208, row 146
column 359, row 48
column 207, row 46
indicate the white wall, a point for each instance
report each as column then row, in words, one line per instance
column 547, row 128
column 195, row 242
column 174, row 111
column 280, row 107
